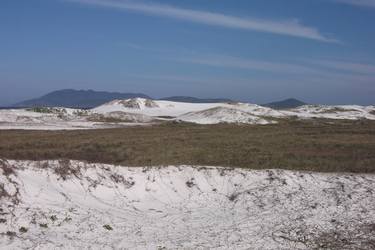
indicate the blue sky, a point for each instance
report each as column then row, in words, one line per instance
column 320, row 51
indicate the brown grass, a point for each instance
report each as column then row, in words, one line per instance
column 336, row 110
column 102, row 118
column 317, row 145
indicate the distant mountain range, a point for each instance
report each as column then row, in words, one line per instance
column 77, row 98
column 194, row 99
column 285, row 104
column 90, row 98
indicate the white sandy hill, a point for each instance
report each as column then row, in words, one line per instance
column 204, row 113
column 348, row 112
column 44, row 119
column 65, row 119
column 28, row 115
column 139, row 111
column 119, row 116
column 75, row 205
column 152, row 107
column 222, row 115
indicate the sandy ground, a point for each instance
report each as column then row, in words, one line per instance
column 140, row 111
column 70, row 205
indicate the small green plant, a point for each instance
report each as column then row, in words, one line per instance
column 40, row 110
column 190, row 183
column 336, row 110
column 11, row 234
column 53, row 218
column 233, row 197
column 102, row 118
column 44, row 225
column 67, row 219
column 108, row 227
column 2, row 220
column 81, row 112
column 61, row 112
column 23, row 229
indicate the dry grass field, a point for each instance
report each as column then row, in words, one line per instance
column 317, row 145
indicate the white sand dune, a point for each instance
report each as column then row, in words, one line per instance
column 72, row 205
column 139, row 111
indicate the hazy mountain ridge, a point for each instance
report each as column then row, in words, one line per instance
column 89, row 99
column 194, row 99
column 77, row 98
column 71, row 98
column 142, row 111
column 285, row 104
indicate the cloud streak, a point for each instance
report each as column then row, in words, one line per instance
column 324, row 70
column 363, row 3
column 352, row 67
column 288, row 27
column 239, row 63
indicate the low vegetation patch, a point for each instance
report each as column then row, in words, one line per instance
column 11, row 234
column 3, row 192
column 337, row 110
column 102, row 118
column 121, row 179
column 43, row 225
column 40, row 110
column 46, row 110
column 80, row 112
column 60, row 112
column 190, row 183
column 67, row 219
column 316, row 145
column 6, row 168
column 131, row 103
column 108, row 227
column 65, row 170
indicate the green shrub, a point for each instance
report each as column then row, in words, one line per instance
column 108, row 227
column 44, row 225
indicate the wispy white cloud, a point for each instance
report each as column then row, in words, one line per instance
column 327, row 68
column 142, row 47
column 364, row 3
column 170, row 77
column 134, row 46
column 285, row 27
column 350, row 67
column 257, row 65
column 306, row 70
